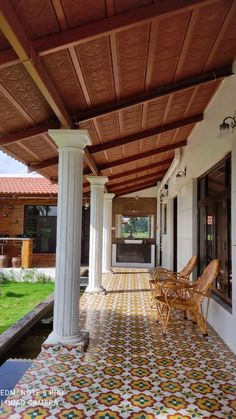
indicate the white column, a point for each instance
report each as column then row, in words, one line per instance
column 118, row 222
column 107, row 222
column 67, row 286
column 96, row 229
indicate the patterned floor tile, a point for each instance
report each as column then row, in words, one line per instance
column 129, row 370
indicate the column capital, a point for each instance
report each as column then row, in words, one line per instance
column 109, row 196
column 97, row 180
column 76, row 138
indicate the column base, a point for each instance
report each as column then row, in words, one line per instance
column 96, row 290
column 80, row 341
column 107, row 271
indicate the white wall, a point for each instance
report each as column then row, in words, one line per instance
column 145, row 193
column 204, row 150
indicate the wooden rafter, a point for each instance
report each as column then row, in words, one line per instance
column 157, row 93
column 149, row 177
column 145, row 134
column 108, row 26
column 90, row 162
column 16, row 36
column 43, row 164
column 115, row 24
column 138, row 157
column 142, row 169
column 26, row 133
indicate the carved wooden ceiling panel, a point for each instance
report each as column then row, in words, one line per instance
column 109, row 127
column 21, row 86
column 202, row 98
column 148, row 144
column 131, row 149
column 62, row 72
column 132, row 50
column 40, row 147
column 16, row 150
column 177, row 106
column 37, row 16
column 114, row 67
column 167, row 37
column 80, row 12
column 96, row 65
column 225, row 48
column 183, row 133
column 131, row 120
column 165, row 139
column 154, row 112
column 201, row 38
column 11, row 119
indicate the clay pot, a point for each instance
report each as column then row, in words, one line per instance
column 4, row 261
column 16, row 262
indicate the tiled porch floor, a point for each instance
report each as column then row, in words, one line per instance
column 129, row 369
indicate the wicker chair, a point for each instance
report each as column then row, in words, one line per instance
column 162, row 274
column 187, row 297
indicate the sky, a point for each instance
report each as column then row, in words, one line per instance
column 10, row 165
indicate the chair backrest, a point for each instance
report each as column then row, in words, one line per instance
column 188, row 269
column 205, row 281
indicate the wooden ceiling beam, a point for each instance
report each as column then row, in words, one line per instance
column 139, row 187
column 138, row 157
column 115, row 24
column 145, row 134
column 43, row 164
column 141, row 169
column 159, row 92
column 111, row 25
column 14, row 32
column 26, row 133
column 149, row 176
column 90, row 162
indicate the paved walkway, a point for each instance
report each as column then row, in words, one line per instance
column 129, row 370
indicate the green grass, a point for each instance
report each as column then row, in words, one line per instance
column 18, row 298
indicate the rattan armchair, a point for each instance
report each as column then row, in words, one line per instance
column 187, row 297
column 162, row 274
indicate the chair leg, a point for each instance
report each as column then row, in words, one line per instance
column 167, row 320
column 201, row 323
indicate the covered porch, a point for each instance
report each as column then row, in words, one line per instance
column 129, row 369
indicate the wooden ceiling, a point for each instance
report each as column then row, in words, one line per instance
column 137, row 74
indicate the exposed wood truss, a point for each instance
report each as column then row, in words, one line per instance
column 146, row 134
column 27, row 133
column 143, row 155
column 157, row 93
column 113, row 24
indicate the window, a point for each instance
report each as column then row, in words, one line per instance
column 136, row 227
column 40, row 224
column 214, row 225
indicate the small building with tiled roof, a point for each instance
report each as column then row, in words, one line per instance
column 28, row 208
column 26, row 185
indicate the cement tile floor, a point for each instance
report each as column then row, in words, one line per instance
column 129, row 369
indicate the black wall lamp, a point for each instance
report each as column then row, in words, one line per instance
column 181, row 173
column 225, row 126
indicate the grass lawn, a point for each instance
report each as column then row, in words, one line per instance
column 18, row 298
